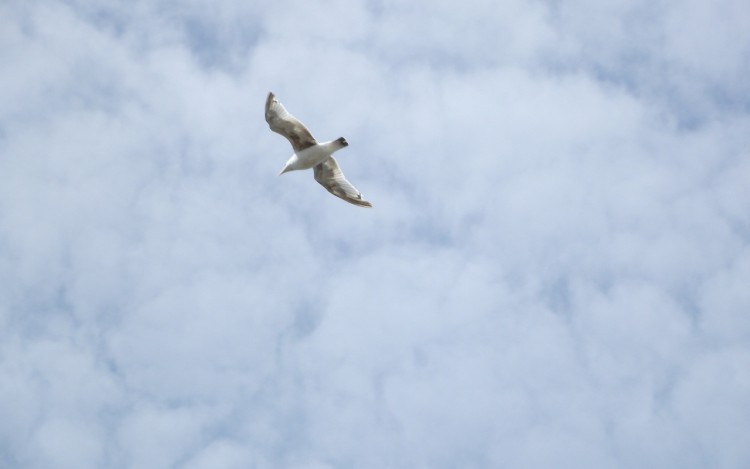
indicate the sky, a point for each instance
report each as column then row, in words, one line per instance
column 554, row 273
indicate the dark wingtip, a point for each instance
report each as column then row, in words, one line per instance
column 269, row 103
column 343, row 142
column 361, row 202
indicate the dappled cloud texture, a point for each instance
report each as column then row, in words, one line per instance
column 555, row 273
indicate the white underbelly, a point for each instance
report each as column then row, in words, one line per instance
column 311, row 157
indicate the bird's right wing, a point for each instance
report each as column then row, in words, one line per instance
column 281, row 122
column 329, row 175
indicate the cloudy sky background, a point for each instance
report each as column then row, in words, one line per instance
column 554, row 274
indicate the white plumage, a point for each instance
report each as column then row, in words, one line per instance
column 308, row 153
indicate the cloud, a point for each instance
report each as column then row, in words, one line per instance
column 679, row 58
column 553, row 272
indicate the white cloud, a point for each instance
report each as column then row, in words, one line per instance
column 553, row 274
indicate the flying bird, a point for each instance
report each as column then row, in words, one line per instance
column 308, row 153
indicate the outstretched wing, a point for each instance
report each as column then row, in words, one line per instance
column 283, row 123
column 329, row 175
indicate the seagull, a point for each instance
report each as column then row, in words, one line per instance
column 308, row 153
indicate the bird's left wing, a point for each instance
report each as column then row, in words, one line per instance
column 282, row 122
column 329, row 175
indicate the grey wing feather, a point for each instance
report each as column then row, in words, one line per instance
column 282, row 122
column 329, row 175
